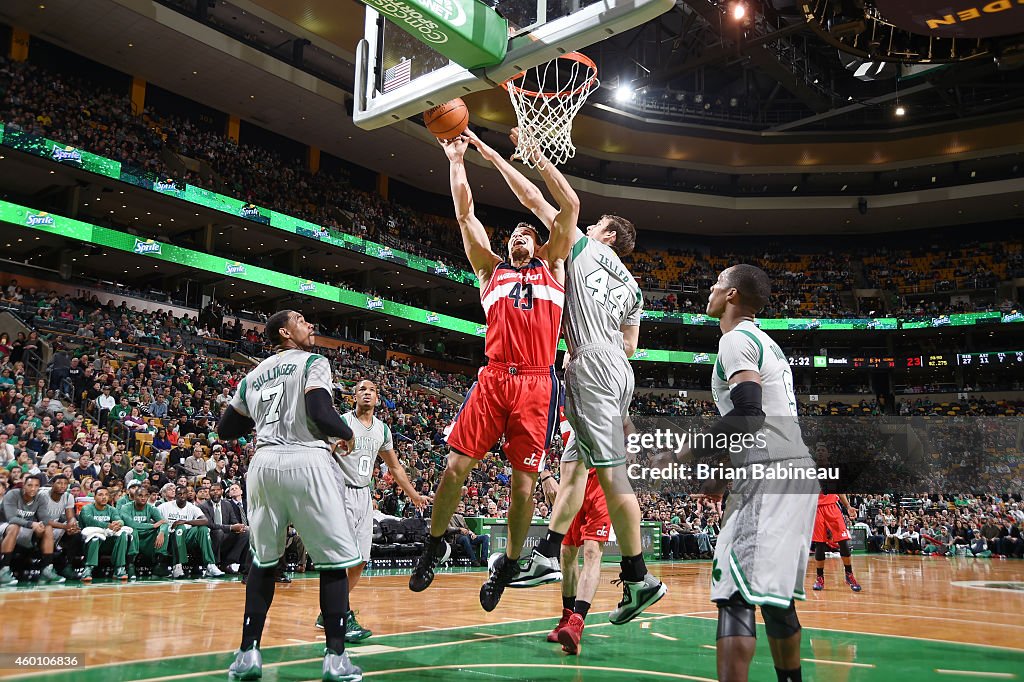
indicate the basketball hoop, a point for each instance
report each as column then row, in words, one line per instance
column 545, row 115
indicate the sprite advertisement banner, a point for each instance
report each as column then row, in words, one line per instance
column 467, row 32
column 68, row 155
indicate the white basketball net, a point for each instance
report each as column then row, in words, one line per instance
column 545, row 115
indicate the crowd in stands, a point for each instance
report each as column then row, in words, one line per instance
column 943, row 525
column 76, row 112
column 90, row 117
column 973, row 265
column 127, row 425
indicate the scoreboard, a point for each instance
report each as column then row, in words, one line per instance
column 875, row 361
column 913, row 362
column 988, row 359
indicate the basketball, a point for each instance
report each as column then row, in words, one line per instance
column 447, row 121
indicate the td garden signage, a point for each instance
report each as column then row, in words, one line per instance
column 955, row 18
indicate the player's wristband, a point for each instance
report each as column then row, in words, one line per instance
column 544, row 479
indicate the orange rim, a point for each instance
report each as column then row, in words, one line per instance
column 572, row 56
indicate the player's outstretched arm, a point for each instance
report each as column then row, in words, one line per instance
column 529, row 194
column 563, row 226
column 474, row 236
column 390, row 458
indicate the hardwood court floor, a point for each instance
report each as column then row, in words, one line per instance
column 917, row 618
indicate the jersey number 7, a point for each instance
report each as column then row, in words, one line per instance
column 273, row 396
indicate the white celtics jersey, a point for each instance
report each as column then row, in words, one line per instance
column 746, row 347
column 274, row 396
column 357, row 466
column 172, row 512
column 601, row 296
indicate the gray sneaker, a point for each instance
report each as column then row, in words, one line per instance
column 538, row 570
column 338, row 668
column 248, row 665
column 7, row 578
column 636, row 597
column 48, row 575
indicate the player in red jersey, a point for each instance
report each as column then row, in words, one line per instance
column 590, row 530
column 516, row 393
column 830, row 528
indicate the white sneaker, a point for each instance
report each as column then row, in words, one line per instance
column 212, row 571
column 539, row 570
column 235, row 567
column 177, row 571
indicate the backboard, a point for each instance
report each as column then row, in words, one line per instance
column 398, row 76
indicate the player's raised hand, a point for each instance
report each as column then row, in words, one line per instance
column 419, row 501
column 455, row 149
column 485, row 149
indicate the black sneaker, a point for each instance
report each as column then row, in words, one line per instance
column 423, row 574
column 504, row 572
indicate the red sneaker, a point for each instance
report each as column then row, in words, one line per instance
column 852, row 582
column 569, row 636
column 562, row 622
column 819, row 583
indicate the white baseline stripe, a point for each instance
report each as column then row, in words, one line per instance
column 820, row 661
column 976, row 673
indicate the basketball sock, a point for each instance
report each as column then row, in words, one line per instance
column 582, row 608
column 848, row 568
column 5, row 560
column 47, row 560
column 551, row 544
column 633, row 568
column 821, row 572
column 793, row 675
column 568, row 602
column 334, row 607
column 259, row 593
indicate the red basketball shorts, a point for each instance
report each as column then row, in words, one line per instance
column 829, row 525
column 592, row 522
column 522, row 406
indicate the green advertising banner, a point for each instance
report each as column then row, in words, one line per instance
column 94, row 234
column 61, row 153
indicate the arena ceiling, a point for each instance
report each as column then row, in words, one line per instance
column 718, row 170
